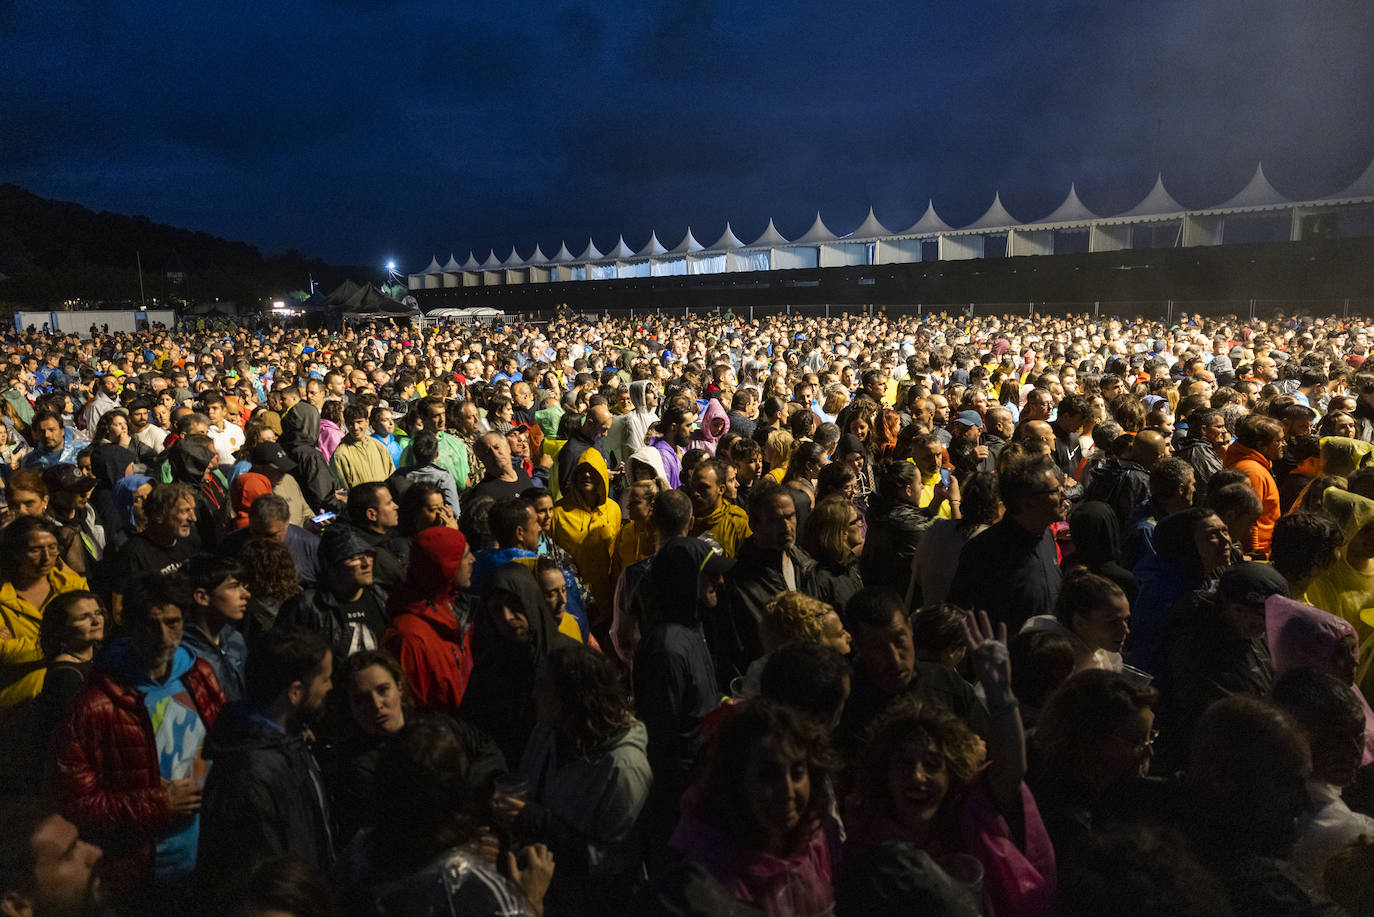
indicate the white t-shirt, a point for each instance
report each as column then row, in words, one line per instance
column 227, row 441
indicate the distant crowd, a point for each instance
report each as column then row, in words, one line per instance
column 861, row 615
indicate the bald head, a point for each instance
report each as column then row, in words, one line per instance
column 1150, row 446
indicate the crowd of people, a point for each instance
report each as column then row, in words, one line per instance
column 697, row 615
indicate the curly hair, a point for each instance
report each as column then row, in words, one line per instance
column 791, row 617
column 162, row 502
column 725, row 803
column 593, row 699
column 268, row 570
column 907, row 720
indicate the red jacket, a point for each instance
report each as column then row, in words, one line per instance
column 108, row 780
column 431, row 631
column 1257, row 469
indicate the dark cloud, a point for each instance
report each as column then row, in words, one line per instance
column 359, row 130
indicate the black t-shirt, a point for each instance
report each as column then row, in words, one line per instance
column 366, row 619
column 498, row 489
column 140, row 555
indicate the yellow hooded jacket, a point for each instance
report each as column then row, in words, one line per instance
column 1341, row 589
column 21, row 660
column 588, row 533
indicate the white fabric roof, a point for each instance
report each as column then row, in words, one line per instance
column 1258, row 193
column 471, row 264
column 591, row 254
column 514, row 260
column 1071, row 211
column 434, row 267
column 1158, row 201
column 929, row 222
column 727, row 240
column 690, row 244
column 869, row 228
column 538, row 257
column 818, row 232
column 1359, row 189
column 771, row 236
column 492, row 262
column 652, row 247
column 563, row 256
column 453, row 266
column 995, row 217
column 621, row 250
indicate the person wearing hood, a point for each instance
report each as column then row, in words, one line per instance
column 674, row 673
column 106, row 399
column 1347, row 587
column 300, row 441
column 431, row 622
column 1096, row 534
column 630, row 430
column 192, row 461
column 84, row 538
column 129, row 494
column 347, row 607
column 129, row 753
column 586, row 522
column 589, row 436
column 265, row 797
column 589, row 780
column 715, row 423
column 515, row 631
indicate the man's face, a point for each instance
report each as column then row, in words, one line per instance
column 359, row 429
column 335, row 386
column 940, row 404
column 387, row 515
column 1266, row 369
column 555, row 590
column 776, row 528
column 314, row 393
column 184, row 518
column 274, row 529
column 64, row 876
column 139, row 417
column 229, row 599
column 215, row 412
column 356, row 571
column 682, row 432
column 598, row 421
column 467, row 419
column 500, row 450
column 587, row 483
column 927, row 457
column 522, row 395
column 386, row 424
column 50, row 431
column 508, row 616
column 155, row 640
column 730, row 489
column 435, row 418
column 109, row 385
column 887, row 654
column 705, row 492
column 519, row 445
column 527, row 535
column 317, row 689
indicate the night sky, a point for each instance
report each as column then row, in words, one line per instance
column 359, row 130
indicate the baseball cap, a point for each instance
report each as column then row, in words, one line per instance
column 272, row 455
column 1251, row 583
column 68, row 478
column 969, row 419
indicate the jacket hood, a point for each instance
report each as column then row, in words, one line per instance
column 850, row 443
column 1301, row 636
column 435, row 556
column 639, row 394
column 714, row 411
column 1096, row 534
column 1355, row 453
column 124, row 491
column 119, row 659
column 1352, row 512
column 675, row 580
column 301, row 426
column 648, row 455
column 109, row 462
column 246, row 488
column 189, row 462
column 593, row 458
column 547, row 419
column 1238, row 453
column 239, row 729
column 518, row 581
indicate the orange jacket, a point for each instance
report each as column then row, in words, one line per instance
column 1256, row 468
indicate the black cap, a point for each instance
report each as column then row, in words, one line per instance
column 272, row 455
column 339, row 543
column 67, row 477
column 1251, row 583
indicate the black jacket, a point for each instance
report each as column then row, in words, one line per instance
column 317, row 610
column 929, row 682
column 1121, row 484
column 1010, row 573
column 264, row 798
column 894, row 529
column 1204, row 459
column 300, row 440
column 753, row 582
column 837, row 583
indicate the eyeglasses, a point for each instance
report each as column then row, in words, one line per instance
column 1061, row 493
column 1144, row 747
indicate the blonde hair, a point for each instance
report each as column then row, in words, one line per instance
column 782, row 443
column 791, row 617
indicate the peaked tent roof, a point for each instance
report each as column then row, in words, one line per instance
column 1258, row 193
column 621, row 250
column 591, row 254
column 538, row 257
column 453, row 266
column 771, row 236
column 652, row 247
column 1071, row 211
column 368, row 300
column 869, row 228
column 727, row 240
column 471, row 264
column 929, row 222
column 689, row 244
column 1359, row 189
column 995, row 217
column 514, row 260
column 492, row 262
column 434, row 267
column 1158, row 202
column 818, row 232
column 342, row 292
column 563, row 256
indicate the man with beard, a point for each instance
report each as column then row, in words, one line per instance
column 46, row 868
column 129, row 760
column 265, row 797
